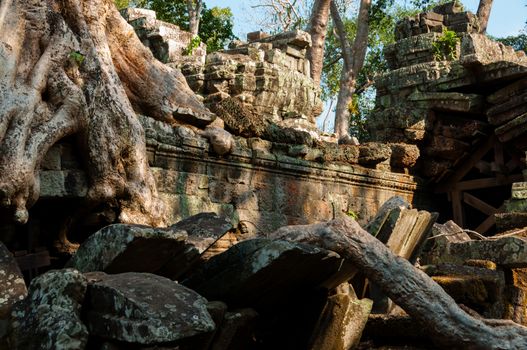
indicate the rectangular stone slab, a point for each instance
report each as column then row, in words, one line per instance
column 508, row 251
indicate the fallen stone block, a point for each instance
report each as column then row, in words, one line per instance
column 342, row 321
column 12, row 289
column 508, row 252
column 442, row 236
column 129, row 248
column 50, row 317
column 217, row 310
column 375, row 225
column 144, row 308
column 481, row 289
column 260, row 273
column 516, row 296
column 404, row 231
column 204, row 229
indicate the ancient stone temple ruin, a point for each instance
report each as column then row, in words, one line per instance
column 276, row 236
column 465, row 113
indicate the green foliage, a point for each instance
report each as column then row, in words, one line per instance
column 121, row 4
column 77, row 57
column 352, row 214
column 384, row 16
column 216, row 27
column 518, row 42
column 445, row 47
column 427, row 5
column 194, row 44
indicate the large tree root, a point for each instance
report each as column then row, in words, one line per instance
column 72, row 67
column 409, row 287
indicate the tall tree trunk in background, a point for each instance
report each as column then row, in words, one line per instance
column 353, row 62
column 483, row 14
column 318, row 24
column 70, row 67
column 194, row 14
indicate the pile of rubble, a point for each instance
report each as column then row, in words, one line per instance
column 120, row 291
column 186, row 287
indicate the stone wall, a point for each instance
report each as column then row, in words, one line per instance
column 262, row 185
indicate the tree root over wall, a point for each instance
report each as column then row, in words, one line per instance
column 76, row 67
column 408, row 287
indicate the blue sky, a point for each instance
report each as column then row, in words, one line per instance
column 507, row 17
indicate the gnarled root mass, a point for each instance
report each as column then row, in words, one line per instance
column 70, row 67
column 410, row 288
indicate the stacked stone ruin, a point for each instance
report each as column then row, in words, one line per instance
column 167, row 41
column 446, row 106
column 267, row 76
column 453, row 108
column 268, row 102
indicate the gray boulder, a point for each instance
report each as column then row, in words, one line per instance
column 144, row 308
column 49, row 318
column 130, row 248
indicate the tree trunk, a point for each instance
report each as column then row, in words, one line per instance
column 342, row 112
column 483, row 14
column 194, row 14
column 74, row 67
column 318, row 24
column 353, row 62
column 410, row 288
